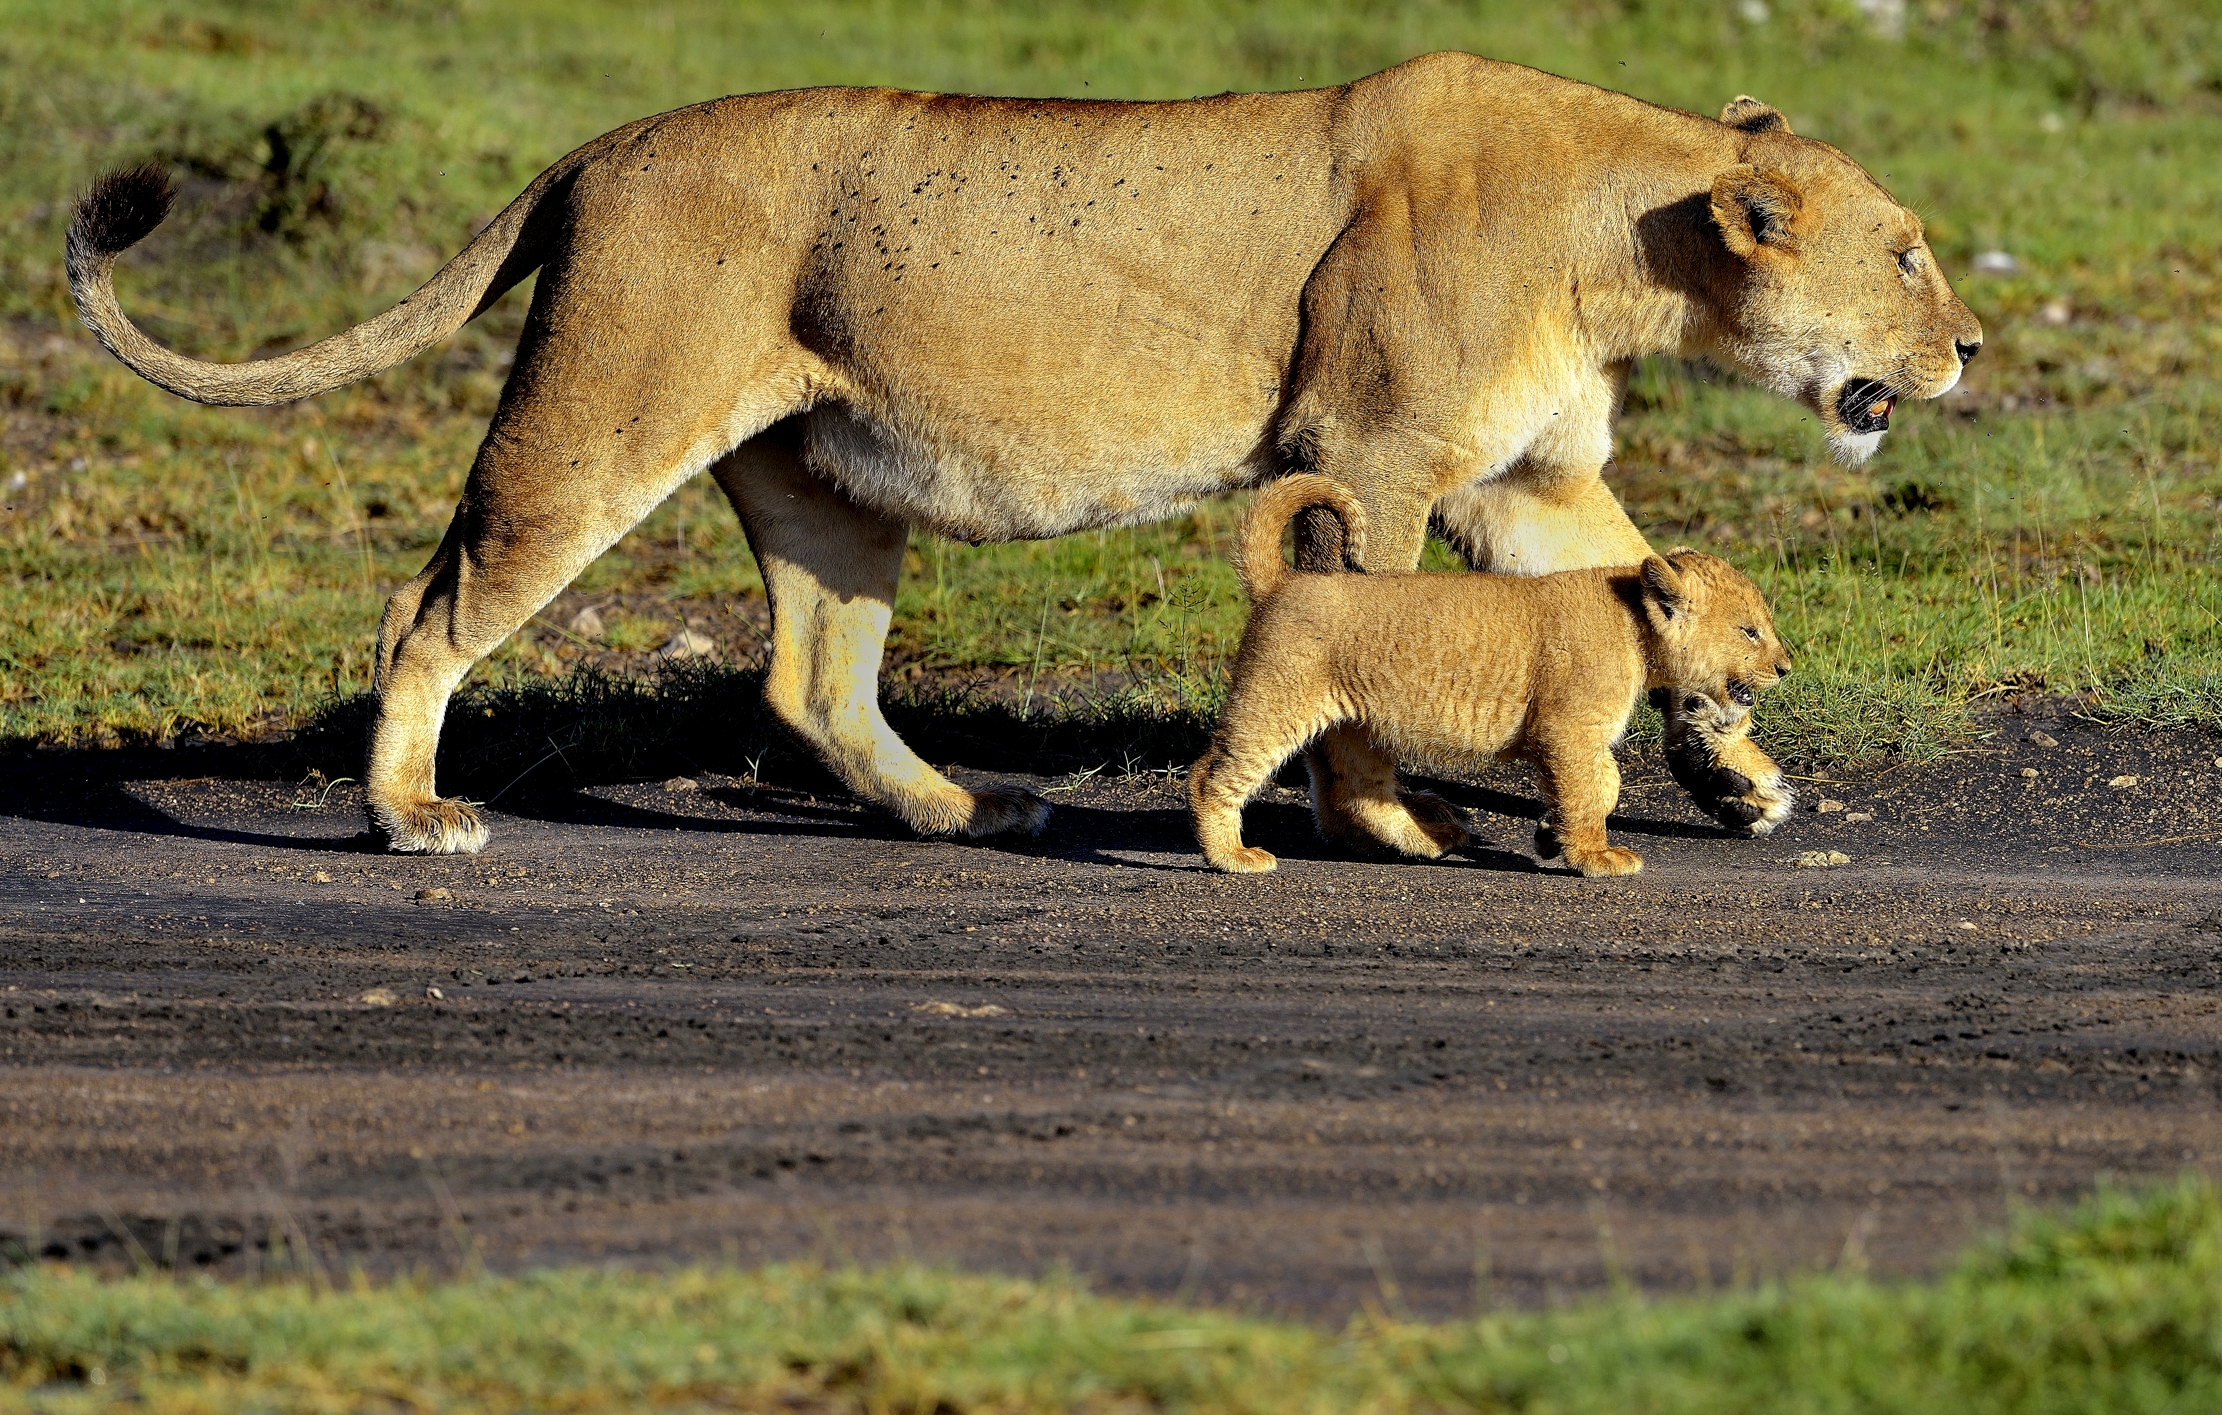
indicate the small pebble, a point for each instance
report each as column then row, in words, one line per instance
column 1822, row 859
column 322, row 878
column 587, row 623
column 1858, row 817
column 2029, row 773
column 2122, row 783
column 426, row 896
column 435, row 994
column 958, row 1009
column 1829, row 807
column 688, row 644
column 678, row 784
column 380, row 997
column 2044, row 739
column 1968, row 926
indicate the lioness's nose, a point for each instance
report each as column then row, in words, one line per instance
column 1967, row 348
column 1782, row 669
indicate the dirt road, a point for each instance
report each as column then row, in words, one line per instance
column 649, row 1024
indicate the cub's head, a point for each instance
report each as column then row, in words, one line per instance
column 1828, row 292
column 1713, row 635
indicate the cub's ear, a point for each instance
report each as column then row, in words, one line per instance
column 1756, row 207
column 1663, row 590
column 1747, row 114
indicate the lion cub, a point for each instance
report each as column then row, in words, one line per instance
column 1459, row 669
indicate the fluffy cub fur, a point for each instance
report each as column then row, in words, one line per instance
column 1458, row 669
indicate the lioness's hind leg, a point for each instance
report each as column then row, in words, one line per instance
column 830, row 568
column 1357, row 802
column 523, row 530
column 419, row 664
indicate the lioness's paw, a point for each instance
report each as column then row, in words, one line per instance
column 1246, row 860
column 435, row 827
column 1728, row 795
column 1547, row 846
column 1766, row 805
column 1437, row 821
column 1601, row 864
column 996, row 809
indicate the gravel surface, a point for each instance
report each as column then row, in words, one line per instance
column 695, row 1019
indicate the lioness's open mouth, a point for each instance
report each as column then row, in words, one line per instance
column 1865, row 405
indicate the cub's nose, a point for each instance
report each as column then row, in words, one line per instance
column 1967, row 348
column 1782, row 669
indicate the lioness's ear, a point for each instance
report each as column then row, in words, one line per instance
column 1662, row 588
column 1755, row 207
column 1747, row 114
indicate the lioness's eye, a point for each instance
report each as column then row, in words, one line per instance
column 1751, row 633
column 1909, row 260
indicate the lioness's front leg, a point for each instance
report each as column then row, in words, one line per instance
column 1519, row 524
column 830, row 568
column 1735, row 782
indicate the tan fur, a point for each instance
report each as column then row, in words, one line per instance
column 867, row 312
column 1456, row 670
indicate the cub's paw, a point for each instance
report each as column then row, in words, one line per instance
column 1246, row 860
column 432, row 827
column 996, row 809
column 1437, row 822
column 1603, row 864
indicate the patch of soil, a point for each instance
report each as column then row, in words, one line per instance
column 731, row 1019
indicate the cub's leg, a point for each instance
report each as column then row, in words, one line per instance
column 1253, row 738
column 1581, row 785
column 1356, row 799
column 830, row 568
column 1526, row 524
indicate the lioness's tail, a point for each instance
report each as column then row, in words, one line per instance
column 123, row 207
column 1260, row 563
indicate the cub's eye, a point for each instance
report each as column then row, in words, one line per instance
column 1751, row 633
column 1909, row 260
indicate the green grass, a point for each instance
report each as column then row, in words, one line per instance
column 167, row 569
column 2116, row 1308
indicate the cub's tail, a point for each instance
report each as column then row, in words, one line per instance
column 123, row 208
column 1260, row 564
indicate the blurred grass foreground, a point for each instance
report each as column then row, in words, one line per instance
column 170, row 572
column 2115, row 1308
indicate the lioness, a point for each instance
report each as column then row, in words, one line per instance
column 865, row 311
column 1458, row 670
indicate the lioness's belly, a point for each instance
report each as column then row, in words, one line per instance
column 986, row 489
column 1036, row 319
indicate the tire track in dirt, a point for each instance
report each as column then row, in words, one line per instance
column 756, row 1023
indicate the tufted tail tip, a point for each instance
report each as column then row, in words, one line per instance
column 121, row 209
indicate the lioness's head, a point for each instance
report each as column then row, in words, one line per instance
column 1713, row 635
column 1831, row 295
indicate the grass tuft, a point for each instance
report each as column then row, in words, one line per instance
column 2116, row 1307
